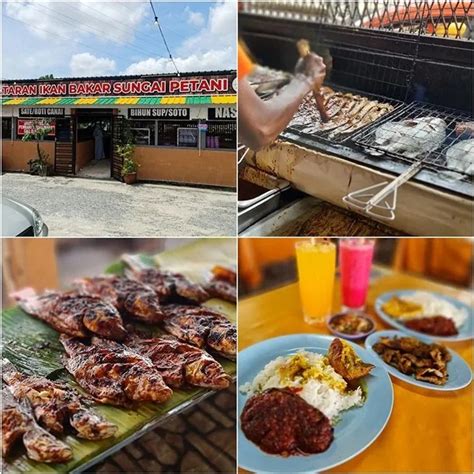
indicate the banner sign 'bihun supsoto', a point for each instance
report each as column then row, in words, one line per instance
column 149, row 85
column 159, row 112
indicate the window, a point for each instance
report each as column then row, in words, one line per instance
column 6, row 128
column 143, row 131
column 221, row 135
column 168, row 134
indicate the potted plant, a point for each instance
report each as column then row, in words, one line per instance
column 39, row 165
column 129, row 166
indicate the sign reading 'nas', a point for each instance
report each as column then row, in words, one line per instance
column 222, row 113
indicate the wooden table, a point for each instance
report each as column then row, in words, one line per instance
column 428, row 431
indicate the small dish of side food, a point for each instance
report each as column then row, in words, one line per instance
column 351, row 325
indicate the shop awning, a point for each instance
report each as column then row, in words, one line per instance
column 163, row 100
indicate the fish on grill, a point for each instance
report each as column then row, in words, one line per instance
column 180, row 363
column 460, row 156
column 170, row 287
column 55, row 405
column 465, row 129
column 113, row 374
column 202, row 327
column 18, row 424
column 73, row 314
column 223, row 284
column 131, row 297
column 347, row 112
column 411, row 137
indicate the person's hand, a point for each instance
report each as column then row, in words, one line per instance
column 312, row 69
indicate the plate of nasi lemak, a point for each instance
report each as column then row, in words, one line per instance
column 419, row 312
column 308, row 403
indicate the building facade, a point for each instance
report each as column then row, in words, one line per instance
column 183, row 127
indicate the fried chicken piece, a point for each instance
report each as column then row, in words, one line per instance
column 202, row 327
column 170, row 287
column 55, row 405
column 74, row 314
column 113, row 374
column 180, row 363
column 346, row 362
column 223, row 284
column 431, row 375
column 18, row 423
column 132, row 298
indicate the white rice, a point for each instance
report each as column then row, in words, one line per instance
column 318, row 391
column 434, row 306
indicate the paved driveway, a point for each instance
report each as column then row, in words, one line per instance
column 96, row 208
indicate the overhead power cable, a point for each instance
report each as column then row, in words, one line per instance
column 157, row 22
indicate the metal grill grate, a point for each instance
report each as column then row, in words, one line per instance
column 425, row 132
column 446, row 19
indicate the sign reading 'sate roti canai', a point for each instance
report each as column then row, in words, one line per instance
column 155, row 85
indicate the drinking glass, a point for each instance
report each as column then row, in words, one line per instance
column 316, row 260
column 355, row 263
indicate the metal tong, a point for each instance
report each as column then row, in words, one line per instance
column 380, row 200
column 303, row 50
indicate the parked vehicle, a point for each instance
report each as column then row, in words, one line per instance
column 21, row 220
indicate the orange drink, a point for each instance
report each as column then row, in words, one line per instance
column 316, row 260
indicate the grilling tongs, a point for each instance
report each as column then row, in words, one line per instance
column 369, row 199
column 303, row 50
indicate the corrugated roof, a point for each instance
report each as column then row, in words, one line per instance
column 157, row 100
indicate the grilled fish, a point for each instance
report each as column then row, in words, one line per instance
column 170, row 287
column 113, row 374
column 411, row 137
column 73, row 314
column 202, row 327
column 223, row 284
column 130, row 297
column 18, row 423
column 460, row 156
column 180, row 363
column 55, row 405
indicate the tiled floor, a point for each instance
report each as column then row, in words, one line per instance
column 200, row 440
column 96, row 169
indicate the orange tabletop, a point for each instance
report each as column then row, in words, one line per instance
column 428, row 431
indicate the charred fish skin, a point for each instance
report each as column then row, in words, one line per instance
column 112, row 374
column 170, row 287
column 202, row 326
column 75, row 314
column 55, row 405
column 130, row 297
column 181, row 363
column 18, row 423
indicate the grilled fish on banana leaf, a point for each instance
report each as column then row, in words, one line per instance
column 55, row 405
column 113, row 374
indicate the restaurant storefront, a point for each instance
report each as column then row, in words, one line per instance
column 183, row 127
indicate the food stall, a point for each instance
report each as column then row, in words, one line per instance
column 183, row 127
column 398, row 149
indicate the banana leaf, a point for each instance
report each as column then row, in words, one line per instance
column 34, row 348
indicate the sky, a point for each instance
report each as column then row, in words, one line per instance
column 94, row 38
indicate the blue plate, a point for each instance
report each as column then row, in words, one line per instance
column 459, row 373
column 465, row 332
column 357, row 429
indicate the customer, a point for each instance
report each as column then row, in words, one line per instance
column 98, row 142
column 260, row 122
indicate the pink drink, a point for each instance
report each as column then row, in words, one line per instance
column 355, row 262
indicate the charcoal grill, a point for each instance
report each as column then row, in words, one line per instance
column 415, row 55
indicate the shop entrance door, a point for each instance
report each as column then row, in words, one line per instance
column 118, row 130
column 64, row 149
